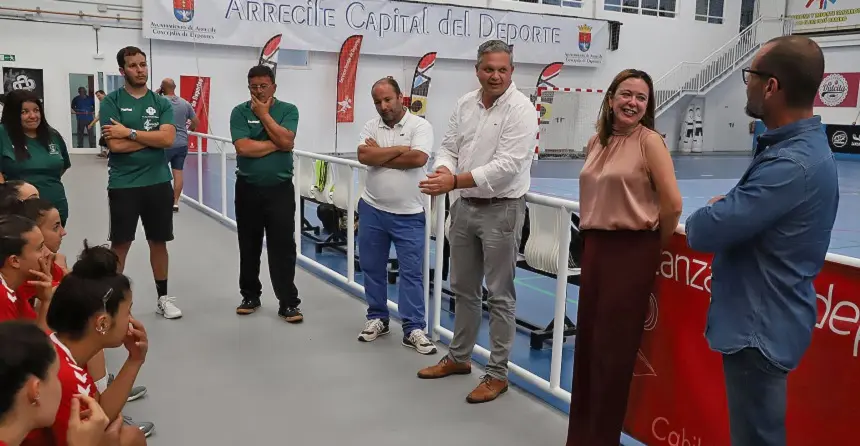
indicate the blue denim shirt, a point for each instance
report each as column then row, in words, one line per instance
column 769, row 236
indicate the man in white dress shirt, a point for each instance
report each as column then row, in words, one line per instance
column 395, row 146
column 486, row 153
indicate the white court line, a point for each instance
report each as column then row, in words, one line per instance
column 706, row 175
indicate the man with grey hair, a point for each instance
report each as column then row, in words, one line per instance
column 486, row 154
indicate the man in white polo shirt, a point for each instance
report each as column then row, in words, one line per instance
column 395, row 146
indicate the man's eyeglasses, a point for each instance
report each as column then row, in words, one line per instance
column 745, row 73
column 258, row 87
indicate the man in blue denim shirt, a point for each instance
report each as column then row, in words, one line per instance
column 769, row 236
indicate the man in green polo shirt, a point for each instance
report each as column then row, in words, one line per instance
column 138, row 125
column 263, row 130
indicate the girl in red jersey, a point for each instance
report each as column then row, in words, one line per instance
column 91, row 311
column 30, row 390
column 38, row 292
column 22, row 256
column 47, row 218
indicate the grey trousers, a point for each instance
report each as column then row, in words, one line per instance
column 485, row 240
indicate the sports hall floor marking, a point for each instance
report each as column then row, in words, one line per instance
column 543, row 291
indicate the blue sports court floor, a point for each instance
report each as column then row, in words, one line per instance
column 699, row 177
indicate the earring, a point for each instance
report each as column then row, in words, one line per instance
column 35, row 400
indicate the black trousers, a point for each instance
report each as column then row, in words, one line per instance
column 268, row 210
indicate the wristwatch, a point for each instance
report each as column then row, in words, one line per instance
column 133, row 135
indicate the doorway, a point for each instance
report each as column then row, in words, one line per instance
column 749, row 12
column 82, row 110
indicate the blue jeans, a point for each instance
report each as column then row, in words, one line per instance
column 376, row 231
column 756, row 390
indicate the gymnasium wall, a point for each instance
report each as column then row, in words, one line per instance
column 726, row 124
column 43, row 41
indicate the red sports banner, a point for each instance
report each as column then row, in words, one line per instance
column 678, row 393
column 195, row 90
column 347, row 67
column 838, row 90
column 417, row 102
column 269, row 53
column 548, row 74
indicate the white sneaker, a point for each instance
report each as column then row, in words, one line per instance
column 167, row 308
column 418, row 340
column 373, row 329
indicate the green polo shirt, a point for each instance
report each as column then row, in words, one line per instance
column 146, row 166
column 275, row 167
column 43, row 169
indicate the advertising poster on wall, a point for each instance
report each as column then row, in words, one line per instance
column 838, row 90
column 843, row 138
column 402, row 28
column 678, row 394
column 347, row 69
column 815, row 16
column 195, row 90
column 15, row 78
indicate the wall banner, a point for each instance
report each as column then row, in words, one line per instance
column 400, row 28
column 813, row 16
column 838, row 90
column 843, row 138
column 347, row 69
column 196, row 90
column 15, row 78
column 678, row 394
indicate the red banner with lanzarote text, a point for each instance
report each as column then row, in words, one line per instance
column 195, row 90
column 347, row 67
column 678, row 397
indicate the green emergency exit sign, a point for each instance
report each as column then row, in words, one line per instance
column 7, row 57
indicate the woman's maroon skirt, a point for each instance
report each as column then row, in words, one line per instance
column 618, row 273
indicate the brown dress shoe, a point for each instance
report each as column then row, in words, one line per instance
column 489, row 389
column 445, row 367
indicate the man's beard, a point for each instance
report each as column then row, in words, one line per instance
column 132, row 82
column 753, row 111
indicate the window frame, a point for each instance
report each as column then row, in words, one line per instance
column 664, row 8
column 283, row 63
column 708, row 17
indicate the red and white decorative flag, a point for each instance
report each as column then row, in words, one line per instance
column 347, row 67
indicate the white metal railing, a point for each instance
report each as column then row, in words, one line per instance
column 699, row 77
column 564, row 209
column 435, row 328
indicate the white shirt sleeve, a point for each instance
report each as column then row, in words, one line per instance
column 366, row 132
column 513, row 154
column 422, row 137
column 448, row 150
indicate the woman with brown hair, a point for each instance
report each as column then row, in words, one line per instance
column 629, row 208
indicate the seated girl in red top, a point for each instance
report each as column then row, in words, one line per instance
column 30, row 390
column 91, row 311
column 47, row 217
column 16, row 190
column 23, row 257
